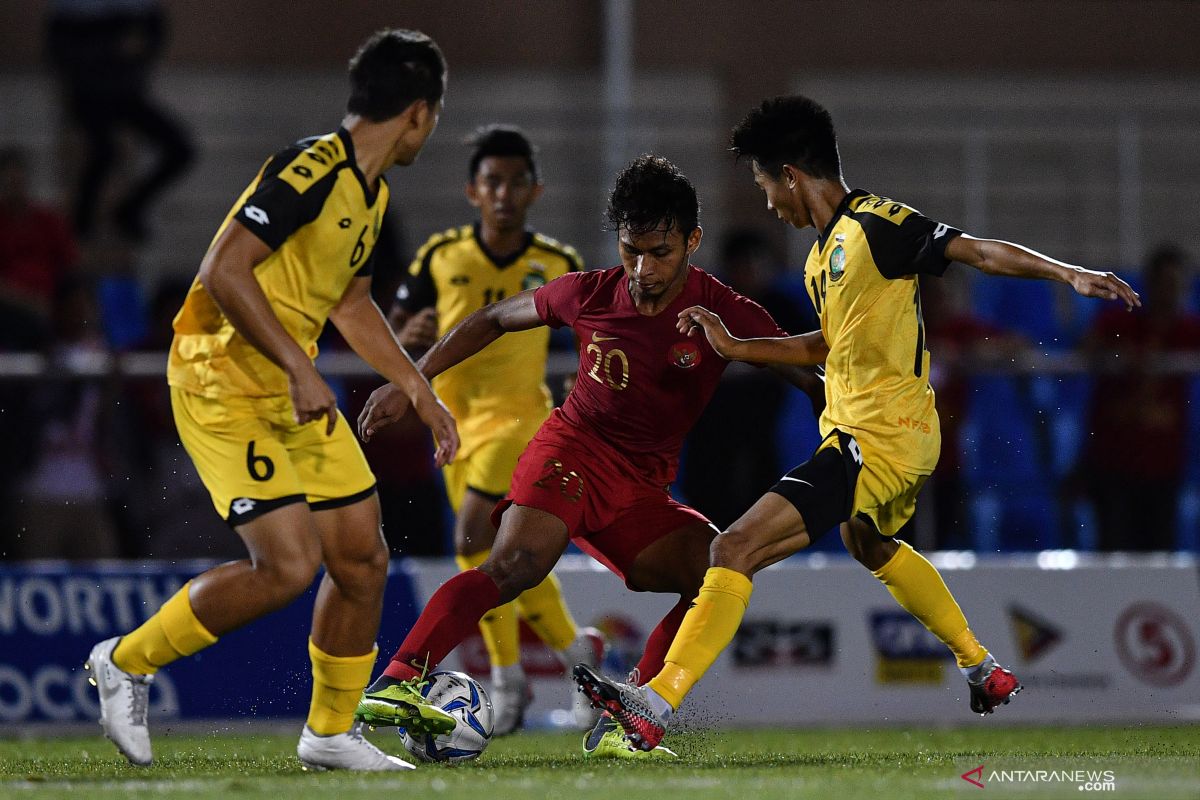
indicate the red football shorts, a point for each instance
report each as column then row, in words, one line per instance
column 610, row 510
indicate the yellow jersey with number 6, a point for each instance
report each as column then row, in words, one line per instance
column 862, row 277
column 311, row 205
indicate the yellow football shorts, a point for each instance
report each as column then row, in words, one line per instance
column 488, row 467
column 842, row 480
column 254, row 458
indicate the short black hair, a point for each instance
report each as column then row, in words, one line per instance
column 392, row 70
column 789, row 130
column 501, row 141
column 652, row 194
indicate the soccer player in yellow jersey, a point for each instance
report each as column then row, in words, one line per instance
column 498, row 396
column 282, row 465
column 880, row 426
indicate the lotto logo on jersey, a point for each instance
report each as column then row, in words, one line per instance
column 685, row 355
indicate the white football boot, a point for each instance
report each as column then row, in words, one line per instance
column 124, row 702
column 588, row 648
column 348, row 750
column 509, row 701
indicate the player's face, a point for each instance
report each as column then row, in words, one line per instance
column 503, row 190
column 780, row 197
column 656, row 261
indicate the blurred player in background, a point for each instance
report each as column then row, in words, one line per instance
column 263, row 427
column 880, row 425
column 599, row 469
column 498, row 396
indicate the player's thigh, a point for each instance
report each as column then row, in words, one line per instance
column 674, row 563
column 654, row 543
column 284, row 544
column 481, row 482
column 352, row 543
column 238, row 453
column 528, row 545
column 770, row 531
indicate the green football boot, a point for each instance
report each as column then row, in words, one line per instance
column 607, row 740
column 402, row 705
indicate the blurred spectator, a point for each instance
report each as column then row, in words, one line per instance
column 955, row 337
column 62, row 510
column 104, row 52
column 1134, row 459
column 731, row 456
column 37, row 250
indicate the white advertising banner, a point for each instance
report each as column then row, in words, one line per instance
column 1099, row 638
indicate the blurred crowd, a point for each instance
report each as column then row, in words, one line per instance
column 1106, row 458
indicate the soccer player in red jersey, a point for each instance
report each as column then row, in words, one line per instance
column 598, row 470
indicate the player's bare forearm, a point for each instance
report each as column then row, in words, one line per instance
column 366, row 330
column 995, row 257
column 805, row 350
column 478, row 330
column 227, row 274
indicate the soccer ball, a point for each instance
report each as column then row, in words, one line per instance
column 460, row 696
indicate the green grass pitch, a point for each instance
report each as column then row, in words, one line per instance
column 892, row 764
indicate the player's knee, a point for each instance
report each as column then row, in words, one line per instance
column 288, row 576
column 866, row 546
column 361, row 570
column 729, row 549
column 514, row 572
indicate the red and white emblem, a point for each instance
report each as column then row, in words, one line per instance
column 685, row 355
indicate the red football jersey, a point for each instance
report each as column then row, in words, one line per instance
column 642, row 384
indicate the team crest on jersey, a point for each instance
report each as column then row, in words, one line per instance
column 837, row 264
column 685, row 355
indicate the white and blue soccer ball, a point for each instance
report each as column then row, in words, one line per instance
column 460, row 696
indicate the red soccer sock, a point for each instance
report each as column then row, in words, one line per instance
column 452, row 614
column 660, row 641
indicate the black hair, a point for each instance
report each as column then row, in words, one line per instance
column 652, row 194
column 391, row 71
column 789, row 130
column 501, row 141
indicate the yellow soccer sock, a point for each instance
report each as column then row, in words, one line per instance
column 920, row 590
column 172, row 633
column 546, row 612
column 707, row 629
column 338, row 682
column 499, row 627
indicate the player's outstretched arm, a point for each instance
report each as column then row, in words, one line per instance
column 227, row 274
column 365, row 329
column 807, row 349
column 517, row 313
column 1004, row 258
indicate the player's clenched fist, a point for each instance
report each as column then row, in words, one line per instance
column 700, row 318
column 420, row 331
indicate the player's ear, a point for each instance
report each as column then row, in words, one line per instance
column 791, row 176
column 538, row 188
column 693, row 241
column 472, row 194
